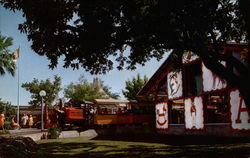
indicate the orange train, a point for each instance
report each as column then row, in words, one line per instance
column 85, row 111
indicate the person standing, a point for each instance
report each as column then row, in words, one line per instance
column 2, row 118
column 31, row 121
column 24, row 120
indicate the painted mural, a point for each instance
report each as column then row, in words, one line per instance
column 174, row 85
column 211, row 81
column 194, row 113
column 161, row 110
column 189, row 57
column 240, row 115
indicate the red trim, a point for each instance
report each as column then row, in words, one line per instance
column 160, row 102
column 215, row 91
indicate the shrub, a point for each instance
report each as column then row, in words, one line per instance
column 4, row 131
column 7, row 125
column 54, row 132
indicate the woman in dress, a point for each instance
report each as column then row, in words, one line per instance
column 2, row 117
column 31, row 121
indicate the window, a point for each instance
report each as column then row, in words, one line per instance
column 216, row 107
column 176, row 112
column 192, row 79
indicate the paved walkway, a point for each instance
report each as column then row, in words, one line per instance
column 24, row 130
column 37, row 134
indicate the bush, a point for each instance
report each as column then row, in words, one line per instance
column 17, row 147
column 7, row 125
column 54, row 132
column 4, row 131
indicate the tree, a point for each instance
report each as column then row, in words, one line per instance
column 147, row 28
column 108, row 91
column 133, row 86
column 8, row 109
column 52, row 89
column 6, row 59
column 83, row 90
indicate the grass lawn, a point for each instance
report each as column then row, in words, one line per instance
column 87, row 147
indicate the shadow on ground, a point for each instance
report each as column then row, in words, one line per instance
column 171, row 147
column 174, row 139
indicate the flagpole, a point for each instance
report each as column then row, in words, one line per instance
column 18, row 93
column 18, row 76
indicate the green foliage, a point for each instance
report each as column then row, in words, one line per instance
column 8, row 109
column 88, row 33
column 108, row 91
column 6, row 59
column 7, row 125
column 52, row 89
column 102, row 29
column 54, row 132
column 4, row 131
column 83, row 90
column 133, row 86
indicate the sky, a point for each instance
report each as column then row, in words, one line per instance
column 31, row 66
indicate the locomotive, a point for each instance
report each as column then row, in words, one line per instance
column 86, row 114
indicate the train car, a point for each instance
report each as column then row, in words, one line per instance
column 73, row 113
column 85, row 114
column 133, row 113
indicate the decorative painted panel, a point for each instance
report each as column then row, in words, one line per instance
column 189, row 57
column 174, row 85
column 212, row 82
column 240, row 115
column 194, row 118
column 161, row 110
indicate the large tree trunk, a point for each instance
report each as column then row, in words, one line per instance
column 245, row 11
column 239, row 81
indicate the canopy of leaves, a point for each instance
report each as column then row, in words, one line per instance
column 83, row 90
column 8, row 109
column 51, row 88
column 86, row 33
column 134, row 86
column 6, row 59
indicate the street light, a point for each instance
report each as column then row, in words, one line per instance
column 42, row 93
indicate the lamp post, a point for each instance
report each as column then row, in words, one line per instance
column 42, row 93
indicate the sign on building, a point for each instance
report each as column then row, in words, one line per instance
column 194, row 118
column 161, row 110
column 240, row 115
column 212, row 82
column 174, row 85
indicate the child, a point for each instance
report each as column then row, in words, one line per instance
column 2, row 117
column 30, row 121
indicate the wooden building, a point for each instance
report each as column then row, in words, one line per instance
column 195, row 101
